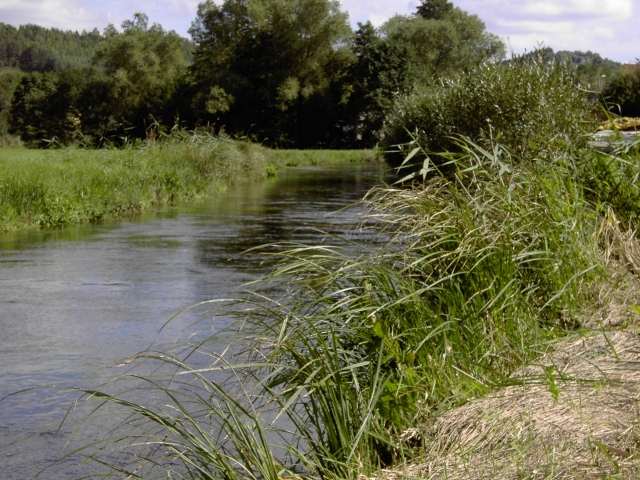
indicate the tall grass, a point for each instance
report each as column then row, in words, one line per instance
column 49, row 188
column 481, row 270
column 612, row 180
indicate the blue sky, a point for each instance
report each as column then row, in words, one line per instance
column 610, row 27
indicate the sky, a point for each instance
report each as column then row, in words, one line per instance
column 609, row 27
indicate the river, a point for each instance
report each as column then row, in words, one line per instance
column 76, row 303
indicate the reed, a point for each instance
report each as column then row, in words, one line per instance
column 480, row 272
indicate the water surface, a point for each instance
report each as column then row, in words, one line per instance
column 75, row 304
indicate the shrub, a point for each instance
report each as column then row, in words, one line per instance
column 525, row 105
column 622, row 94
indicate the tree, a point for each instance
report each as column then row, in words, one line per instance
column 376, row 77
column 257, row 62
column 41, row 112
column 622, row 94
column 442, row 46
column 9, row 79
column 590, row 69
column 128, row 89
column 141, row 69
column 38, row 49
column 37, row 59
column 434, row 9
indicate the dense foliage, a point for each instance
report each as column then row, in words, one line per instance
column 37, row 49
column 126, row 91
column 528, row 106
column 9, row 79
column 590, row 69
column 261, row 66
column 286, row 72
column 283, row 72
column 622, row 95
column 442, row 42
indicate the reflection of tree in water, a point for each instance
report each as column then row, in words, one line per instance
column 297, row 210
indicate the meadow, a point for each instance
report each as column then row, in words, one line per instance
column 56, row 187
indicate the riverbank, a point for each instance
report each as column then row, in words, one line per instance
column 399, row 358
column 50, row 188
column 507, row 243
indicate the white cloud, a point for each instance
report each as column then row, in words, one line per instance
column 64, row 14
column 605, row 26
column 615, row 9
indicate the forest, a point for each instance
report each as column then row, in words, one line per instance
column 286, row 74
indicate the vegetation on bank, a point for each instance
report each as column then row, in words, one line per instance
column 50, row 188
column 507, row 235
column 287, row 74
column 491, row 255
column 528, row 106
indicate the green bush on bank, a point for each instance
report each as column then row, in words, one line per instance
column 525, row 105
column 622, row 93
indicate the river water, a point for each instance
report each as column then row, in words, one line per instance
column 76, row 303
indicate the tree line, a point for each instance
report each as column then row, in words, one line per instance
column 282, row 72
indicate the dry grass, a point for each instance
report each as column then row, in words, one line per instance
column 617, row 297
column 621, row 124
column 574, row 414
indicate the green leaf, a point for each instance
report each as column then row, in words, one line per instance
column 550, row 375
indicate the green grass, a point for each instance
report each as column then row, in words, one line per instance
column 50, row 188
column 325, row 157
column 491, row 255
column 612, row 180
column 481, row 271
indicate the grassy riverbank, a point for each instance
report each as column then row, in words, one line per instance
column 49, row 188
column 410, row 360
column 433, row 350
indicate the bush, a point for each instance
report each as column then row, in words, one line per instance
column 612, row 181
column 622, row 95
column 524, row 105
